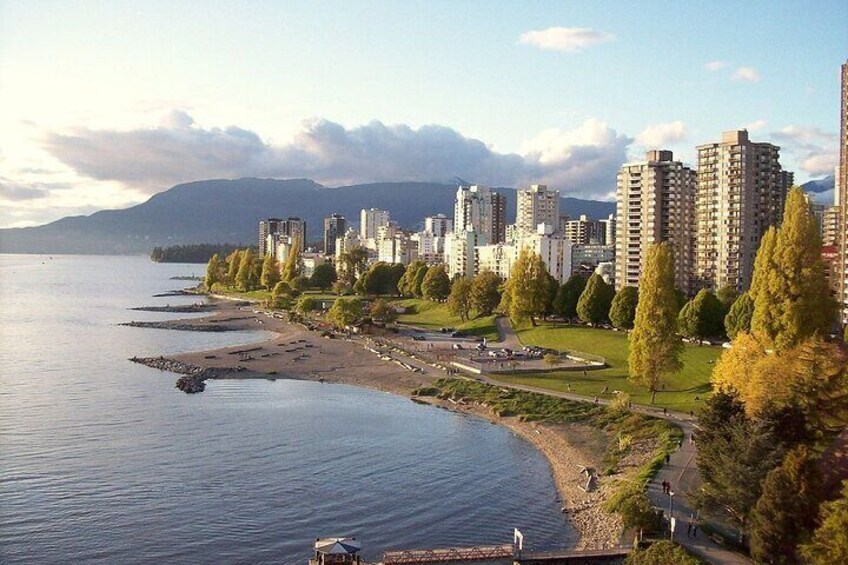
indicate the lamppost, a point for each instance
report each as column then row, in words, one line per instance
column 671, row 514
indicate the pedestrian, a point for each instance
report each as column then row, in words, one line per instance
column 689, row 529
column 665, row 411
column 596, row 400
column 667, row 458
column 694, row 530
column 585, row 373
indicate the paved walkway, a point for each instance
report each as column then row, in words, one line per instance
column 681, row 470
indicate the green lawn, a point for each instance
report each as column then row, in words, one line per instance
column 434, row 315
column 681, row 388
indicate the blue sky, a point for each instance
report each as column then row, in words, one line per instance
column 104, row 104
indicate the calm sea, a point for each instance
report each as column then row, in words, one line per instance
column 102, row 460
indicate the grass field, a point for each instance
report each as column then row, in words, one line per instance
column 681, row 388
column 434, row 315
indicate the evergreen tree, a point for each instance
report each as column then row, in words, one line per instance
column 527, row 287
column 594, row 304
column 294, row 264
column 829, row 544
column 459, row 301
column 213, row 272
column 702, row 316
column 623, row 308
column 323, row 276
column 791, row 295
column 785, row 513
column 739, row 316
column 436, row 285
column 244, row 276
column 565, row 301
column 270, row 273
column 485, row 293
column 654, row 345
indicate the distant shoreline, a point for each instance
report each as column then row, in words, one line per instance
column 296, row 353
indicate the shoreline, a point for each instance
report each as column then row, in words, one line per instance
column 299, row 354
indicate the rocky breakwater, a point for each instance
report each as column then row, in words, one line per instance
column 194, row 377
column 182, row 326
column 178, row 309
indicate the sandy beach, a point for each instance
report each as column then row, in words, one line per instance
column 295, row 352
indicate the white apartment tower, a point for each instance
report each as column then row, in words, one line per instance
column 741, row 192
column 842, row 198
column 438, row 225
column 370, row 220
column 655, row 203
column 536, row 205
column 473, row 211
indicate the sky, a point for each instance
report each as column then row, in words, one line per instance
column 103, row 104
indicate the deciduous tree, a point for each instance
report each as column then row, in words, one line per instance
column 294, row 262
column 270, row 273
column 654, row 345
column 436, row 285
column 244, row 276
column 527, row 287
column 213, row 272
column 702, row 316
column 829, row 543
column 459, row 300
column 344, row 312
column 406, row 284
column 305, row 304
column 485, row 295
column 382, row 312
column 594, row 304
column 323, row 276
column 623, row 309
column 565, row 301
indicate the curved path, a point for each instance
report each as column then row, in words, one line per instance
column 681, row 470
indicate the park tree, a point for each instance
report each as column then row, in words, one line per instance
column 738, row 318
column 233, row 263
column 306, row 304
column 459, row 300
column 436, row 285
column 378, row 279
column 323, row 276
column 734, row 456
column 664, row 552
column 294, row 262
column 791, row 295
column 623, row 309
column 396, row 273
column 270, row 273
column 786, row 511
column 406, row 284
column 244, row 276
column 418, row 281
column 565, row 301
column 382, row 312
column 829, row 543
column 340, row 288
column 527, row 292
column 654, row 345
column 344, row 312
column 595, row 301
column 701, row 317
column 213, row 272
column 727, row 295
column 631, row 504
column 485, row 293
column 352, row 263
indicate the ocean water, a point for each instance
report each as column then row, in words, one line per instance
column 104, row 461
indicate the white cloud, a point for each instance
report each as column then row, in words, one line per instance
column 566, row 39
column 814, row 149
column 714, row 66
column 746, row 74
column 756, row 125
column 583, row 160
column 659, row 135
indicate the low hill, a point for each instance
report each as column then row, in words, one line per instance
column 228, row 211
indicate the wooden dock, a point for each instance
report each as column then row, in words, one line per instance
column 448, row 555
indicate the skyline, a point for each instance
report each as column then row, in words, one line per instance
column 396, row 92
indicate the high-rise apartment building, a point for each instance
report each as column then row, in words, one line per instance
column 498, row 217
column 842, row 197
column 585, row 231
column 267, row 227
column 741, row 193
column 609, row 230
column 438, row 225
column 370, row 221
column 536, row 205
column 473, row 210
column 295, row 229
column 655, row 203
column 334, row 226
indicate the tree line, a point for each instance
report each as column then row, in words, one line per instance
column 193, row 253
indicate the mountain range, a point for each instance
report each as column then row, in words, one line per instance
column 228, row 211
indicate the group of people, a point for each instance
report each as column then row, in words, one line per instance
column 666, row 486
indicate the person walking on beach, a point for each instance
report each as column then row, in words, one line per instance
column 695, row 530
